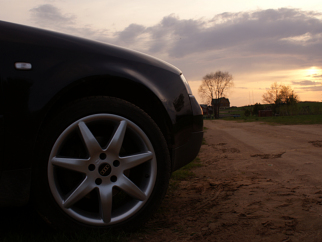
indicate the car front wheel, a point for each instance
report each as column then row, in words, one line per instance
column 103, row 163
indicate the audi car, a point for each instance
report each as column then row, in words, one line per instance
column 89, row 132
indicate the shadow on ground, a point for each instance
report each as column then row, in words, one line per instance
column 21, row 222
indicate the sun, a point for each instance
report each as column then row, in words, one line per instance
column 312, row 71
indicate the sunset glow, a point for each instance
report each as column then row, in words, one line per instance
column 258, row 42
column 312, row 71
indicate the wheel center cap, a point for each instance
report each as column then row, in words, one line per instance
column 104, row 169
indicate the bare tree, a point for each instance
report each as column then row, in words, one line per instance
column 271, row 94
column 280, row 94
column 287, row 95
column 215, row 86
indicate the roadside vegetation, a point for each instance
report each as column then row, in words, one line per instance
column 185, row 172
column 299, row 113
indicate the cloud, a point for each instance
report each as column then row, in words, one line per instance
column 304, row 83
column 317, row 76
column 241, row 87
column 312, row 89
column 263, row 40
column 129, row 34
column 242, row 42
column 260, row 32
column 48, row 15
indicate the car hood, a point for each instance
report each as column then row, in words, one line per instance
column 21, row 34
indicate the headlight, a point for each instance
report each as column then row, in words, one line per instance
column 186, row 84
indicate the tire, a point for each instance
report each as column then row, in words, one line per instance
column 103, row 163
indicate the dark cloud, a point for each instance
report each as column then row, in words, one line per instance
column 312, row 88
column 317, row 76
column 263, row 40
column 243, row 42
column 304, row 83
column 48, row 15
column 261, row 32
column 129, row 34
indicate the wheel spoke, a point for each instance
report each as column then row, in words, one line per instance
column 82, row 190
column 130, row 188
column 141, row 160
column 106, row 196
column 117, row 140
column 92, row 145
column 135, row 160
column 79, row 165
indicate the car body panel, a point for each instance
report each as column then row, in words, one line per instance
column 64, row 68
column 1, row 125
column 1, row 142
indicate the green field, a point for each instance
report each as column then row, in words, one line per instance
column 302, row 113
column 297, row 119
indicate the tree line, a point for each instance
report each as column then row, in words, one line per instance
column 215, row 85
column 279, row 93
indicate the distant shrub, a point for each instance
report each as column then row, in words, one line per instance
column 247, row 112
column 256, row 108
column 317, row 110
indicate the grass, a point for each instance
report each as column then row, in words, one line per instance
column 203, row 142
column 182, row 174
column 185, row 172
column 311, row 113
column 203, row 139
column 286, row 120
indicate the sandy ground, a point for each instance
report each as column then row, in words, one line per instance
column 257, row 183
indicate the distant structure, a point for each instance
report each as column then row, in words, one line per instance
column 221, row 102
column 206, row 110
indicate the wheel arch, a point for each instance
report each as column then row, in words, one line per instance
column 128, row 90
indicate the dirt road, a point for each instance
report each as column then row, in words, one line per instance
column 257, row 183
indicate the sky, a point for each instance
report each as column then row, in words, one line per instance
column 258, row 42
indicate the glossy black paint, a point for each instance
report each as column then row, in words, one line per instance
column 1, row 139
column 65, row 68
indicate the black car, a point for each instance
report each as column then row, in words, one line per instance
column 89, row 132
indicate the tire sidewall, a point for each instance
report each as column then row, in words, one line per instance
column 41, row 193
